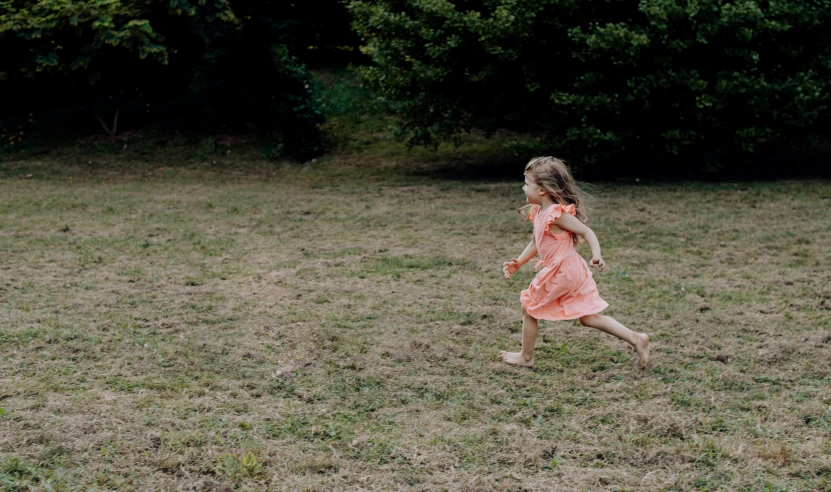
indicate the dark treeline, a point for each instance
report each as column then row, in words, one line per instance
column 219, row 66
column 718, row 85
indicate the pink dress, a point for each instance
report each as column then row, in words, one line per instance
column 564, row 288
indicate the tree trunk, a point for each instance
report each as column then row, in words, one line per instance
column 112, row 132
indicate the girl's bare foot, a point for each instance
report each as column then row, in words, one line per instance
column 516, row 358
column 642, row 346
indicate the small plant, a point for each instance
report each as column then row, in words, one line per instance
column 229, row 466
column 251, row 465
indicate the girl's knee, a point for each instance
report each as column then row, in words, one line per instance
column 587, row 320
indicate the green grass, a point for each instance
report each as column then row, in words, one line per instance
column 337, row 326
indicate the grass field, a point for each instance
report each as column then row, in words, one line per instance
column 335, row 326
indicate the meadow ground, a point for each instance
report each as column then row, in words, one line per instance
column 334, row 326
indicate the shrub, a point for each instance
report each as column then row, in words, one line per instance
column 592, row 79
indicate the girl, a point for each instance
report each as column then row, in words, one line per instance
column 564, row 288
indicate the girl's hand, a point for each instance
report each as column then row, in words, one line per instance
column 598, row 262
column 510, row 267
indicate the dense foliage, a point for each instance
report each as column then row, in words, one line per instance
column 210, row 65
column 594, row 78
column 587, row 79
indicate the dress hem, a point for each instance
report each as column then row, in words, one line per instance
column 567, row 318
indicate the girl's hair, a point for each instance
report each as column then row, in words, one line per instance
column 552, row 175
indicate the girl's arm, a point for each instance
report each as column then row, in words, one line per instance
column 510, row 267
column 571, row 223
column 529, row 252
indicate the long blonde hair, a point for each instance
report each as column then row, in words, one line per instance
column 552, row 175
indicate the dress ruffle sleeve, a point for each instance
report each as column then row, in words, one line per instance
column 555, row 211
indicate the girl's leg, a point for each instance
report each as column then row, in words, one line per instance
column 529, row 338
column 611, row 326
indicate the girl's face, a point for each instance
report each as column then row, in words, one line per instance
column 533, row 192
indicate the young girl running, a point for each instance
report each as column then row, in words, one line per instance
column 564, row 288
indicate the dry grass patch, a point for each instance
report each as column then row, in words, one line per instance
column 338, row 328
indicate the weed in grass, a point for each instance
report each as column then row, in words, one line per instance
column 235, row 468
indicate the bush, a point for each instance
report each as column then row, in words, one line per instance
column 593, row 79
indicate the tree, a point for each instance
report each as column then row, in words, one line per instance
column 183, row 56
column 593, row 78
